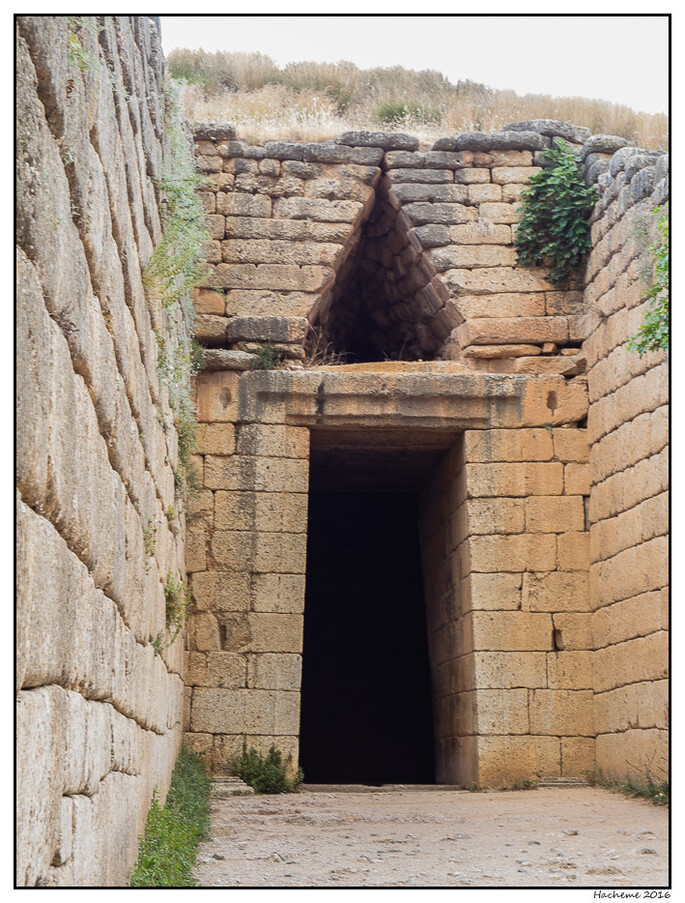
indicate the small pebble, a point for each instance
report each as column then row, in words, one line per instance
column 532, row 843
column 647, row 851
column 571, row 832
column 218, row 856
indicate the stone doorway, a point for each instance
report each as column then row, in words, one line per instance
column 372, row 666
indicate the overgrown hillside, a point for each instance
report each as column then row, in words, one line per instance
column 310, row 101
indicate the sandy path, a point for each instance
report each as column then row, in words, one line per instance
column 580, row 837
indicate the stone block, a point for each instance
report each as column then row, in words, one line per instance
column 278, row 593
column 196, row 548
column 280, row 553
column 273, row 632
column 502, row 712
column 273, row 276
column 390, row 141
column 480, row 232
column 216, row 438
column 573, row 630
column 577, row 756
column 573, row 551
column 487, row 446
column 270, row 671
column 232, row 549
column 511, row 631
column 415, row 192
column 318, row 209
column 273, row 251
column 502, row 761
column 496, row 515
column 266, row 329
column 555, row 591
column 516, row 304
column 208, row 301
column 554, row 514
column 235, row 204
column 497, row 354
column 266, row 302
column 479, row 193
column 508, row 670
column 515, row 479
column 221, row 590
column 503, row 175
column 570, row 445
column 561, row 712
column 488, row 592
column 577, row 479
column 534, row 552
column 217, row 397
column 215, row 669
column 203, row 633
column 518, row 330
column 420, row 214
column 488, row 255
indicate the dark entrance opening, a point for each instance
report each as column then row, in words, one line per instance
column 366, row 712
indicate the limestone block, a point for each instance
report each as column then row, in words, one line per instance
column 317, row 209
column 514, row 304
column 570, row 445
column 216, row 438
column 390, row 141
column 573, row 630
column 577, row 756
column 221, row 590
column 203, row 633
column 497, row 353
column 554, row 514
column 511, row 631
column 561, row 712
column 573, row 551
column 269, row 185
column 565, row 365
column 257, row 251
column 215, row 669
column 502, row 712
column 235, row 510
column 532, row 330
column 473, row 256
column 502, row 761
column 534, row 552
column 196, row 548
column 232, row 550
column 433, row 213
column 502, row 175
column 418, row 192
column 514, row 480
column 555, row 591
column 507, row 670
column 281, row 277
column 561, row 303
column 286, row 230
column 479, row 193
column 218, row 710
column 496, row 515
column 280, row 553
column 40, row 752
column 217, row 397
column 211, row 329
column 398, row 174
column 272, row 632
column 494, row 592
column 208, row 301
column 500, row 213
column 510, row 193
column 86, row 852
column 577, row 479
column 260, row 303
column 88, row 734
column 554, row 401
column 234, row 204
column 266, row 329
column 480, row 232
column 287, row 716
column 280, row 593
column 273, row 440
column 64, row 849
column 339, row 189
column 271, row 671
column 507, row 445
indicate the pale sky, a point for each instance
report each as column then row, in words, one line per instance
column 620, row 58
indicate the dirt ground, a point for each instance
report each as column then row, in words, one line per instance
column 551, row 837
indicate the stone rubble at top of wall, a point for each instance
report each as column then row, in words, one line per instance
column 427, row 235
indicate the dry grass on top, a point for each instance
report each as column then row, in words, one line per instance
column 315, row 101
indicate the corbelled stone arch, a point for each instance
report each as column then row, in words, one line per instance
column 387, row 301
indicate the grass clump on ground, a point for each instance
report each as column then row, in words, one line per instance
column 655, row 790
column 267, row 774
column 168, row 848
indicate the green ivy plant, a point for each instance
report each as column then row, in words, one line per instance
column 653, row 334
column 553, row 229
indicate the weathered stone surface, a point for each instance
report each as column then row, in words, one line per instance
column 387, row 140
column 266, row 329
column 604, row 144
column 221, row 359
column 554, row 129
column 480, row 141
column 212, row 131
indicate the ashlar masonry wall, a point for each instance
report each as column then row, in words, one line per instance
column 628, row 431
column 98, row 711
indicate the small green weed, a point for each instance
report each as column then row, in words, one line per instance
column 267, row 358
column 657, row 791
column 150, row 541
column 267, row 774
column 523, row 784
column 168, row 848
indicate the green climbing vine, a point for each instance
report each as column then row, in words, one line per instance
column 553, row 229
column 653, row 334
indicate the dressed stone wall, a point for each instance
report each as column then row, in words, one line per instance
column 628, row 423
column 98, row 711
